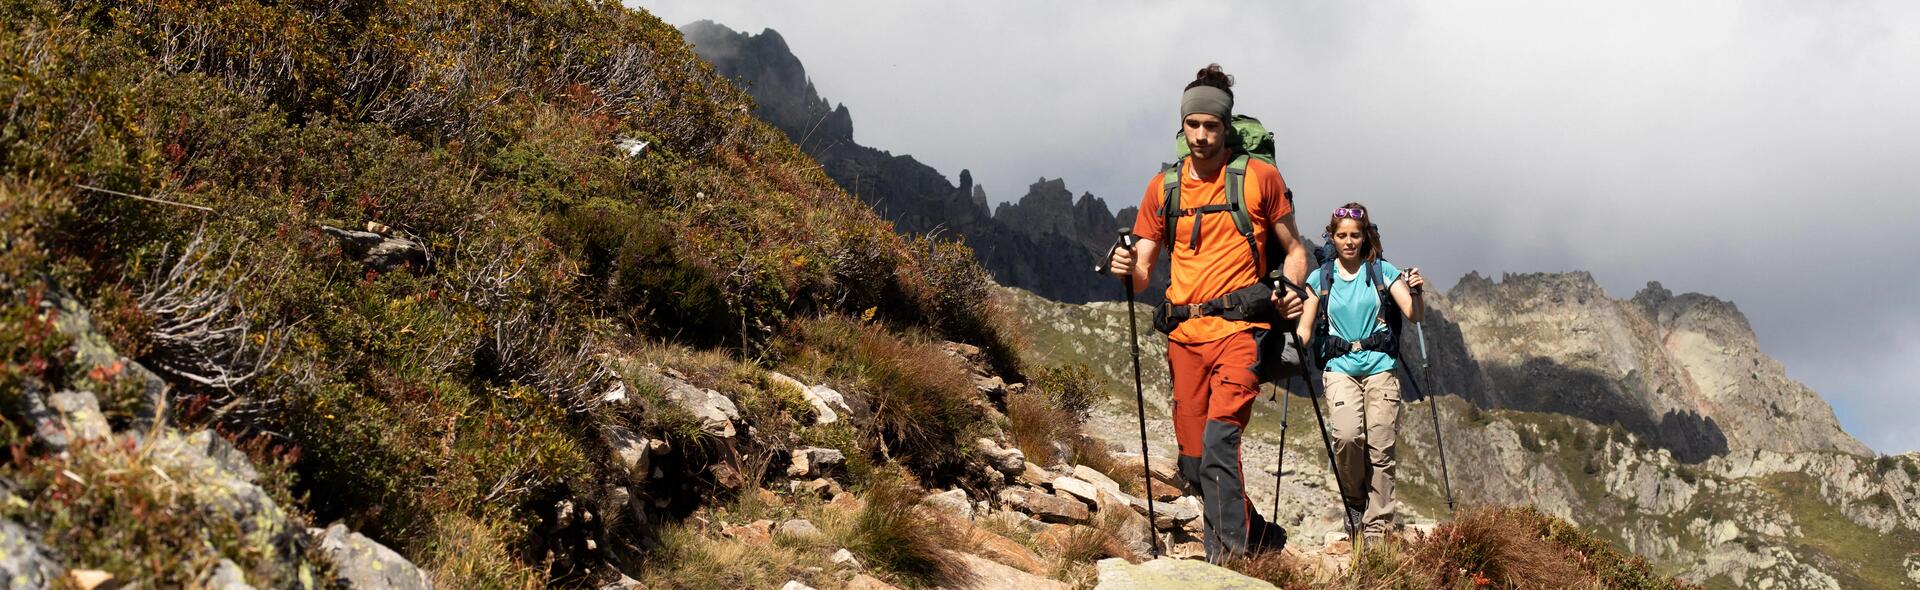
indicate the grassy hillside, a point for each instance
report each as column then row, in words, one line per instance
column 175, row 165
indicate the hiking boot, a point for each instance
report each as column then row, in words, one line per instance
column 1267, row 534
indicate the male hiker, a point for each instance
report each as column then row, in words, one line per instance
column 1217, row 312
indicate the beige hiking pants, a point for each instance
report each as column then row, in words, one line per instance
column 1365, row 416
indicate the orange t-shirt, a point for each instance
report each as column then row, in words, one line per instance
column 1222, row 263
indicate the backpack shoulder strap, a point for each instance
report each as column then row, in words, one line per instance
column 1237, row 203
column 1170, row 201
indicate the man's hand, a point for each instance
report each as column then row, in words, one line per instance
column 1120, row 262
column 1289, row 303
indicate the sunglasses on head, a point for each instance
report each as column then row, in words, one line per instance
column 1353, row 213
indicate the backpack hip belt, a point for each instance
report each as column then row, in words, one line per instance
column 1377, row 342
column 1246, row 304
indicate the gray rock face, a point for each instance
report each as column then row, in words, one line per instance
column 364, row 563
column 24, row 564
column 1172, row 574
column 1683, row 372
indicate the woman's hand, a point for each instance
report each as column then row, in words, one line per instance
column 1414, row 281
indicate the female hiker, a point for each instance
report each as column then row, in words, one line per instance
column 1350, row 318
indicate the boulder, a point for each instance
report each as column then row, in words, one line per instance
column 380, row 252
column 1131, row 527
column 226, row 575
column 1007, row 551
column 952, row 502
column 985, row 574
column 1172, row 574
column 796, row 585
column 1167, row 483
column 632, row 452
column 715, row 411
column 1045, row 507
column 1077, row 489
column 362, row 563
column 1175, row 515
column 822, row 488
column 1004, row 459
column 1036, row 476
column 845, row 558
column 1095, row 477
column 63, row 418
column 799, row 529
column 758, row 533
column 811, row 462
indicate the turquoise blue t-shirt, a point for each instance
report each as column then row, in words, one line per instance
column 1351, row 310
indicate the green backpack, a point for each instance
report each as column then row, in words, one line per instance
column 1250, row 141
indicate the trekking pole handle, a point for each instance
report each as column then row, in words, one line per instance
column 1127, row 240
column 1280, row 281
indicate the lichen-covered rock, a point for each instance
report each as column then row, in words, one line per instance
column 1172, row 574
column 24, row 563
column 364, row 563
column 227, row 576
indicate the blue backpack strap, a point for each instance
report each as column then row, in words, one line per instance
column 1322, row 325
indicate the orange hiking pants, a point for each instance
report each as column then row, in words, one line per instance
column 1213, row 391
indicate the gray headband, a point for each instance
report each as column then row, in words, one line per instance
column 1209, row 100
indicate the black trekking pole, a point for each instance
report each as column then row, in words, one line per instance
column 1280, row 459
column 1139, row 394
column 1313, row 393
column 1280, row 462
column 1439, row 442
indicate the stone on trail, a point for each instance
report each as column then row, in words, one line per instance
column 985, row 574
column 1172, row 574
column 1044, row 507
column 1095, row 477
column 1077, row 489
column 953, row 502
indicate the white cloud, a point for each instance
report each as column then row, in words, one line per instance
column 1764, row 152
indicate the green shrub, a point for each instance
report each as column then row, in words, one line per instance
column 1070, row 387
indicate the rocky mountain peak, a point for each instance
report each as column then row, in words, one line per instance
column 1683, row 371
column 1046, row 242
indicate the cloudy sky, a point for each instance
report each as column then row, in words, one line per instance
column 1766, row 152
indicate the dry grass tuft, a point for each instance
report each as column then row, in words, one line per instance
column 1273, row 567
column 1487, row 544
column 892, row 534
